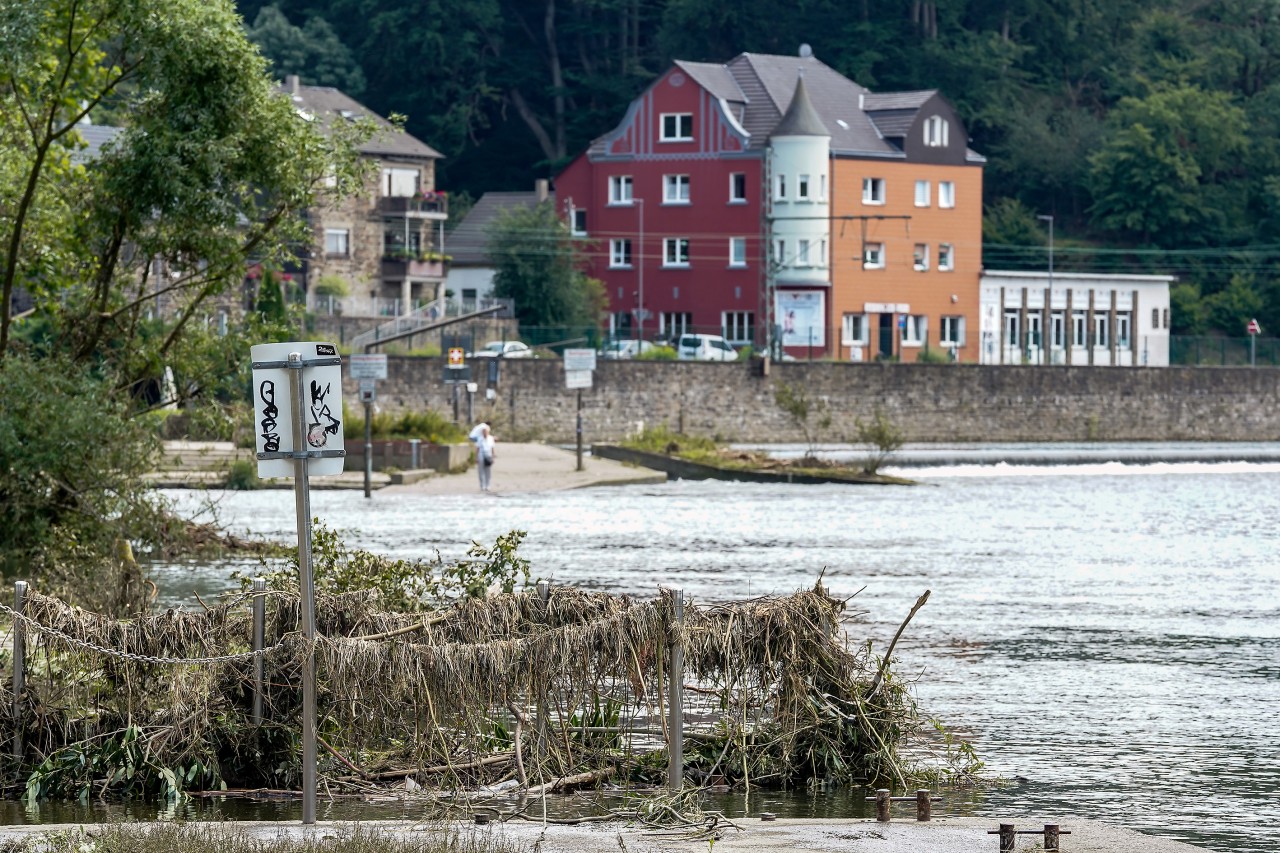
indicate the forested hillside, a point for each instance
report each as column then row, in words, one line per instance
column 1150, row 129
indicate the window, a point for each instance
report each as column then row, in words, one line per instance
column 873, row 256
column 822, row 253
column 873, row 190
column 946, row 193
column 1166, row 318
column 400, row 182
column 822, row 187
column 673, row 324
column 1057, row 330
column 952, row 331
column 1122, row 330
column 1101, row 330
column 1155, row 318
column 780, row 187
column 737, row 251
column 914, row 330
column 737, row 188
column 1079, row 329
column 935, row 132
column 853, row 329
column 337, row 242
column 579, row 222
column 802, row 253
column 619, row 253
column 677, row 127
column 946, row 257
column 619, row 189
column 802, row 188
column 739, row 326
column 675, row 189
column 923, row 192
column 675, row 252
column 920, row 257
column 780, row 253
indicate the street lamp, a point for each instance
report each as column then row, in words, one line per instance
column 640, row 261
column 1048, row 308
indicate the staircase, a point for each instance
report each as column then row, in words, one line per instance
column 419, row 318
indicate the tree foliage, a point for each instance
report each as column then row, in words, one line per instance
column 313, row 51
column 536, row 264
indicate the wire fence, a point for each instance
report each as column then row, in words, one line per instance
column 1214, row 351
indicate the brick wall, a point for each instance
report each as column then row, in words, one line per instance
column 948, row 402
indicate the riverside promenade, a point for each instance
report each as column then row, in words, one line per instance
column 941, row 835
column 534, row 468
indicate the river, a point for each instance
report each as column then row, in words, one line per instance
column 1108, row 635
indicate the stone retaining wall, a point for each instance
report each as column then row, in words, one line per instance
column 929, row 402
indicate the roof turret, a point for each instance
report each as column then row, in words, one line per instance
column 800, row 119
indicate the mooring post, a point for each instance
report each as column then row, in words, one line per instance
column 924, row 806
column 302, row 498
column 259, row 631
column 882, row 805
column 544, row 593
column 1051, row 836
column 19, row 664
column 1008, row 838
column 675, row 725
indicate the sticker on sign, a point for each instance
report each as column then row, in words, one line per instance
column 579, row 359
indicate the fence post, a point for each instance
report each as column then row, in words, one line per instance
column 924, row 807
column 1051, row 833
column 1008, row 838
column 259, row 630
column 675, row 726
column 544, row 593
column 19, row 664
column 882, row 805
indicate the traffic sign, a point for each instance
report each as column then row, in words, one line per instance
column 369, row 365
column 1253, row 327
column 457, row 356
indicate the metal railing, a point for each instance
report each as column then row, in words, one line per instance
column 1213, row 351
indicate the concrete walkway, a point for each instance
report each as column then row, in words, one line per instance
column 535, row 468
column 942, row 835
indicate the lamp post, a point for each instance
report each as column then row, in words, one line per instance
column 640, row 261
column 1048, row 312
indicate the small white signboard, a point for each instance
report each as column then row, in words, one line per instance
column 579, row 359
column 368, row 365
column 273, row 407
column 577, row 379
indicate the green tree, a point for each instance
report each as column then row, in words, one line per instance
column 537, row 265
column 270, row 301
column 313, row 51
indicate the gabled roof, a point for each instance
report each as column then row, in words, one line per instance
column 328, row 105
column 800, row 119
column 468, row 242
column 95, row 136
column 716, row 79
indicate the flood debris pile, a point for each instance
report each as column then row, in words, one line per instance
column 508, row 690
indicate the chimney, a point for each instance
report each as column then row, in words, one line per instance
column 541, row 188
column 292, row 83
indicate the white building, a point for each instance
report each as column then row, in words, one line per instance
column 1074, row 319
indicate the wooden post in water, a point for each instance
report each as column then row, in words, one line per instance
column 883, row 801
column 259, row 630
column 675, row 727
column 19, row 664
column 544, row 593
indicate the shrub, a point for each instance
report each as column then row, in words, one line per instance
column 661, row 439
column 427, row 424
column 810, row 416
column 881, row 435
column 242, row 476
column 658, row 353
column 934, row 356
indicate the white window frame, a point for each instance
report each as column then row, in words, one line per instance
column 1124, row 330
column 342, row 238
column 738, row 326
column 873, row 191
column 780, row 252
column 678, row 119
column 1012, row 329
column 1057, row 330
column 946, row 257
column 578, row 229
column 675, row 189
column 822, row 187
column 621, row 190
column 1079, row 329
column 802, row 253
column 920, row 257
column 873, row 256
column 847, row 324
column 915, row 332
column 675, row 252
column 1101, row 331
column 924, row 193
column 400, row 181
column 734, row 198
column 673, row 324
column 822, row 254
column 802, row 188
column 952, row 330
column 946, row 194
column 937, row 131
column 620, row 254
column 780, row 187
column 737, row 252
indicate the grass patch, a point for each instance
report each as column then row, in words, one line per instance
column 661, row 439
column 427, row 424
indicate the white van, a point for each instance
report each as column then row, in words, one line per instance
column 705, row 348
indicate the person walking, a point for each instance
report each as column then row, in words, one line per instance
column 485, row 445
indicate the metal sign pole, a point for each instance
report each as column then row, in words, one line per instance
column 368, row 448
column 579, row 429
column 302, row 497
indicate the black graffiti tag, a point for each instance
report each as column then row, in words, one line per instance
column 323, row 424
column 270, row 438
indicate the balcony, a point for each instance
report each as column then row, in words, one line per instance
column 426, row 206
column 399, row 266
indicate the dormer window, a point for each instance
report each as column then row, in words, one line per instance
column 677, row 127
column 935, row 132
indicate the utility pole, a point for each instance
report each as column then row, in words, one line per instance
column 1048, row 217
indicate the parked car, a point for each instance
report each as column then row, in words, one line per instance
column 503, row 349
column 705, row 348
column 625, row 349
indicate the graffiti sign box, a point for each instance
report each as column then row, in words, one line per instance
column 273, row 407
